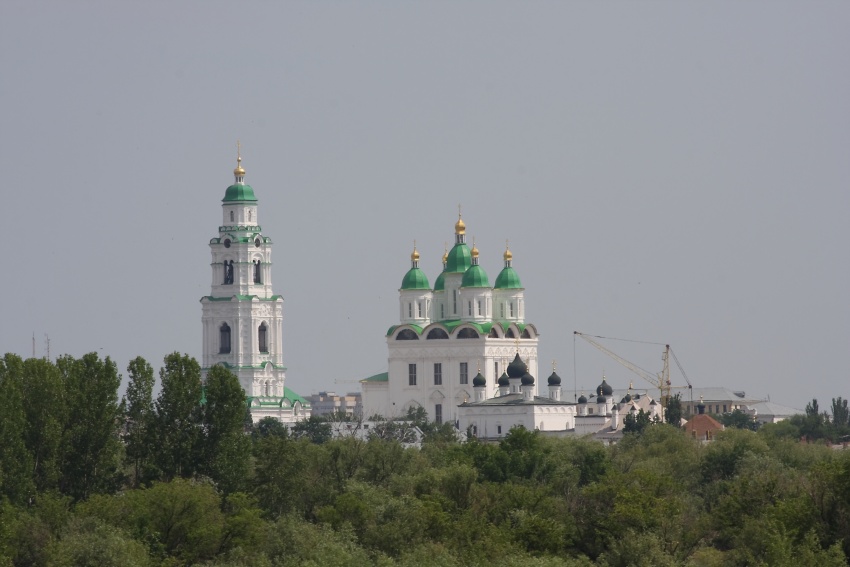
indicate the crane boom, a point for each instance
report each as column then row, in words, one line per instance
column 660, row 380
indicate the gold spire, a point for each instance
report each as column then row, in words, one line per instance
column 460, row 226
column 474, row 249
column 415, row 255
column 445, row 253
column 239, row 171
column 508, row 256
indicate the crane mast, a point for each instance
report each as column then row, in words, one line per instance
column 660, row 380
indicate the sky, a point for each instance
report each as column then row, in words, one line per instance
column 672, row 172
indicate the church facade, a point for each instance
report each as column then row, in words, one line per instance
column 449, row 333
column 242, row 317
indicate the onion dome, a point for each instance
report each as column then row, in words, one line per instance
column 239, row 191
column 604, row 389
column 460, row 226
column 415, row 278
column 628, row 398
column 582, row 399
column 440, row 282
column 475, row 276
column 479, row 381
column 508, row 278
column 517, row 368
column 504, row 381
column 459, row 259
column 554, row 379
column 527, row 379
column 600, row 399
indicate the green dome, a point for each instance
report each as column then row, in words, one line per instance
column 239, row 192
column 459, row 260
column 415, row 278
column 440, row 282
column 475, row 276
column 508, row 279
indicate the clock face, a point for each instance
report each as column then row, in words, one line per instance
column 227, row 243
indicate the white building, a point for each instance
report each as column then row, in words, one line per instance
column 242, row 317
column 447, row 333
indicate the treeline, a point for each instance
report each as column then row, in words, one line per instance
column 184, row 479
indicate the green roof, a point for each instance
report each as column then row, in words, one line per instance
column 416, row 328
column 475, row 276
column 239, row 192
column 415, row 278
column 293, row 397
column 459, row 259
column 508, row 279
column 382, row 377
column 440, row 282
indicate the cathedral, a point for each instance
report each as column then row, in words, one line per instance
column 242, row 317
column 448, row 334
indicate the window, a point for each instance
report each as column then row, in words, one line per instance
column 231, row 216
column 469, row 308
column 437, row 334
column 268, row 389
column 419, row 309
column 479, row 308
column 724, row 408
column 249, row 216
column 464, row 373
column 411, row 374
column 438, row 413
column 263, row 334
column 224, row 339
column 407, row 335
column 499, row 429
column 257, row 271
column 438, row 373
column 442, row 311
column 512, row 309
column 410, row 310
column 228, row 270
column 496, row 369
column 454, row 302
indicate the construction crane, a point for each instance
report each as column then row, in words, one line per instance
column 661, row 380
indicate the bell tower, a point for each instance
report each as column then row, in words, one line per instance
column 242, row 317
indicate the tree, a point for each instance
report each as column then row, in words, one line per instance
column 636, row 423
column 673, row 411
column 314, row 428
column 738, row 419
column 178, row 431
column 226, row 447
column 45, row 415
column 91, row 449
column 140, row 416
column 15, row 461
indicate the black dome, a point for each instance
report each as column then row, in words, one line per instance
column 504, row 380
column 527, row 379
column 517, row 368
column 479, row 380
column 604, row 389
column 582, row 399
column 554, row 380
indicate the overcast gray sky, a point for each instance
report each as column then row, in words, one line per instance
column 665, row 171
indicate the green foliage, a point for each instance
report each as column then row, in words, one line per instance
column 636, row 423
column 177, row 431
column 673, row 410
column 314, row 428
column 15, row 462
column 91, row 451
column 225, row 448
column 738, row 419
column 140, row 418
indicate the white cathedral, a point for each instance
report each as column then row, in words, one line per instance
column 449, row 334
column 242, row 317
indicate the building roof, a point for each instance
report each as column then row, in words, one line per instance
column 459, row 259
column 516, row 400
column 508, row 279
column 239, row 192
column 382, row 377
column 772, row 409
column 475, row 276
column 440, row 282
column 415, row 278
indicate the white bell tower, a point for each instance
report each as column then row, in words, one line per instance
column 242, row 317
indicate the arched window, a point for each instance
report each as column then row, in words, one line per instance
column 258, row 272
column 407, row 335
column 268, row 389
column 525, row 334
column 224, row 339
column 467, row 333
column 249, row 216
column 494, row 335
column 437, row 334
column 263, row 338
column 228, row 272
column 231, row 216
column 510, row 334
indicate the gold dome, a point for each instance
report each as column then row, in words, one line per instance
column 446, row 254
column 474, row 251
column 415, row 255
column 507, row 255
column 460, row 226
column 239, row 169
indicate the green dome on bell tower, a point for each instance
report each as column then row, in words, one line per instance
column 508, row 278
column 415, row 278
column 239, row 191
